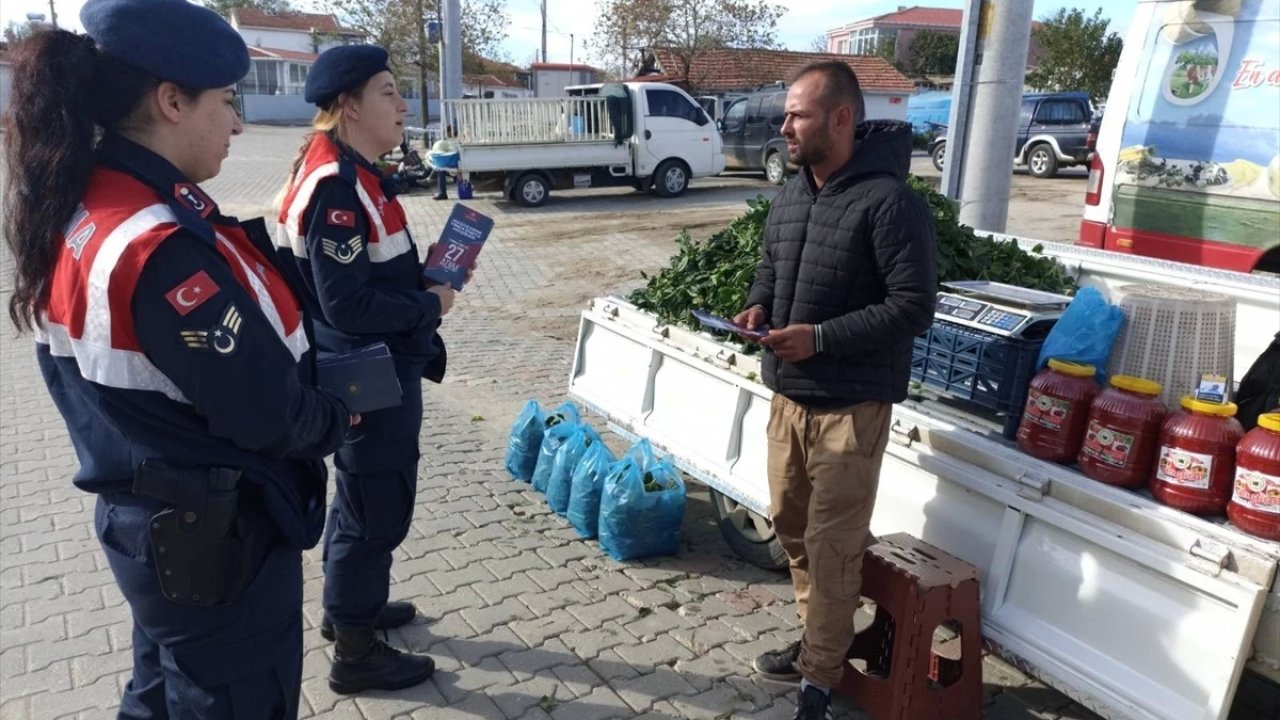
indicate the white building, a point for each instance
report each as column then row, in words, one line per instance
column 550, row 79
column 282, row 48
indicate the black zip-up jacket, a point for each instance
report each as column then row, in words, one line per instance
column 858, row 258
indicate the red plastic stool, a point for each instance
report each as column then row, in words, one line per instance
column 917, row 587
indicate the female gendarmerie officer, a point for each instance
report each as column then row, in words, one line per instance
column 342, row 226
column 173, row 347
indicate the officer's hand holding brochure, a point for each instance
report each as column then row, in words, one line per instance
column 460, row 243
column 364, row 379
column 715, row 322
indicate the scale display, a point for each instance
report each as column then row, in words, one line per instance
column 997, row 308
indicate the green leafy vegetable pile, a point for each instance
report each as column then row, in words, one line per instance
column 715, row 274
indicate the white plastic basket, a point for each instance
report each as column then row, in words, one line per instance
column 1174, row 335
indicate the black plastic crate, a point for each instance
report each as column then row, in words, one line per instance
column 989, row 370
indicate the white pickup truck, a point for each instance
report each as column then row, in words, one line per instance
column 641, row 134
column 1131, row 608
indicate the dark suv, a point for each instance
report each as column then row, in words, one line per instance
column 751, row 131
column 1055, row 130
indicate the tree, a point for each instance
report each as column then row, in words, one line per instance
column 687, row 27
column 15, row 31
column 818, row 44
column 224, row 7
column 395, row 24
column 933, row 53
column 1077, row 53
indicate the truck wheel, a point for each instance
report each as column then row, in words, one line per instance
column 671, row 179
column 775, row 168
column 749, row 534
column 1042, row 162
column 940, row 156
column 531, row 190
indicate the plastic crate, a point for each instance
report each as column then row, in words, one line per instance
column 989, row 370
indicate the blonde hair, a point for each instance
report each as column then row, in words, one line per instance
column 327, row 120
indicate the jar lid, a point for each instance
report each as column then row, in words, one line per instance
column 1270, row 421
column 1224, row 410
column 1067, row 367
column 1142, row 386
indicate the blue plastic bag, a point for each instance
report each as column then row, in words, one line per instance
column 525, row 441
column 560, row 425
column 560, row 485
column 586, row 487
column 1085, row 333
column 641, row 510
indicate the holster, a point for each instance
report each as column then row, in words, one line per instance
column 206, row 546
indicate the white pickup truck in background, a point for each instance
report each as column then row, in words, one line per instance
column 640, row 134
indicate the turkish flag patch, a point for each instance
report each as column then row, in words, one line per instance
column 343, row 218
column 192, row 293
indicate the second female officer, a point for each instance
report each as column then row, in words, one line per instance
column 174, row 348
column 343, row 227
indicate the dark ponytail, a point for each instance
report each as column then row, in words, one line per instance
column 63, row 91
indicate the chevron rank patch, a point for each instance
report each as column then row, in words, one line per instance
column 342, row 251
column 222, row 338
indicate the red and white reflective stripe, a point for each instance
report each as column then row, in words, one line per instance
column 387, row 247
column 295, row 341
column 124, row 369
column 290, row 235
column 98, row 360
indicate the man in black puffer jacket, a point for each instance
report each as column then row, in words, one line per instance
column 846, row 279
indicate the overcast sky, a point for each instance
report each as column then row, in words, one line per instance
column 803, row 21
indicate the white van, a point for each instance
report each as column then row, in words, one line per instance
column 1187, row 165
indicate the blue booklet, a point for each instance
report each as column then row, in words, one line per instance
column 715, row 322
column 464, row 234
column 364, row 379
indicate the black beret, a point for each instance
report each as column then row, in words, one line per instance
column 173, row 40
column 343, row 69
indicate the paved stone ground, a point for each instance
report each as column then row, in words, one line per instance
column 524, row 620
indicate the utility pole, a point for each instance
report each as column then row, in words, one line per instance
column 570, row 57
column 423, row 103
column 451, row 35
column 544, row 30
column 980, row 140
column 53, row 15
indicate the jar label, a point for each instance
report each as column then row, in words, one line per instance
column 1046, row 411
column 1107, row 446
column 1184, row 468
column 1257, row 491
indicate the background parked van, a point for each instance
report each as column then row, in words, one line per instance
column 1187, row 166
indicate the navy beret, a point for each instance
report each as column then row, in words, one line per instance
column 343, row 69
column 173, row 40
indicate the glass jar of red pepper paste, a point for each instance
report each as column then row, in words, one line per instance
column 1195, row 467
column 1255, row 502
column 1057, row 409
column 1123, row 432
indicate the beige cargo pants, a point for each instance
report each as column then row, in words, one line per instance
column 824, row 467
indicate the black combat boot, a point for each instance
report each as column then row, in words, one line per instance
column 396, row 613
column 362, row 661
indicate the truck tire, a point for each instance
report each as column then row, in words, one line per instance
column 531, row 190
column 939, row 156
column 775, row 168
column 1042, row 162
column 749, row 534
column 671, row 179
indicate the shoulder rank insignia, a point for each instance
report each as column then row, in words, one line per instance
column 222, row 338
column 345, row 251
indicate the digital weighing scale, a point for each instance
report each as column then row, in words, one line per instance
column 997, row 308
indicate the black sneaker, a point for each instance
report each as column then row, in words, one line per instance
column 813, row 705
column 779, row 664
